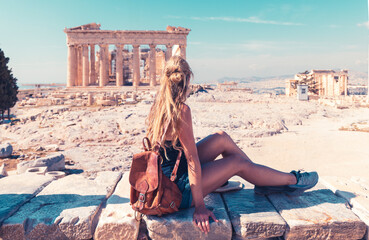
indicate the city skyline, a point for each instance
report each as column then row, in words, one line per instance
column 233, row 39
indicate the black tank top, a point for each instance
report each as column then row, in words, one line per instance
column 167, row 164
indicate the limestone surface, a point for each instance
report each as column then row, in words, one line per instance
column 252, row 216
column 15, row 190
column 6, row 150
column 179, row 225
column 317, row 214
column 117, row 220
column 66, row 209
column 53, row 162
column 355, row 191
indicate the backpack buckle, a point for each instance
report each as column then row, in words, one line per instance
column 142, row 198
column 173, row 177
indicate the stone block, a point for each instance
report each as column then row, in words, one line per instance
column 6, row 150
column 252, row 216
column 52, row 147
column 117, row 219
column 3, row 172
column 67, row 208
column 37, row 170
column 56, row 174
column 15, row 190
column 179, row 225
column 355, row 192
column 53, row 162
column 317, row 214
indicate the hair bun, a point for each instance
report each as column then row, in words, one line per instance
column 176, row 77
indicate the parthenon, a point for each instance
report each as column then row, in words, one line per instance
column 114, row 63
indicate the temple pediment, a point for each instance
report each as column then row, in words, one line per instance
column 90, row 26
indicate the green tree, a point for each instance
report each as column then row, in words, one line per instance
column 8, row 86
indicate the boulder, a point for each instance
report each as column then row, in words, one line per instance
column 53, row 162
column 52, row 147
column 6, row 150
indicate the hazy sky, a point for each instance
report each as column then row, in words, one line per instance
column 228, row 38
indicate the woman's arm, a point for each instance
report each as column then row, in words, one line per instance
column 201, row 214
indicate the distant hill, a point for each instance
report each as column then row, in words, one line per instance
column 355, row 78
column 253, row 79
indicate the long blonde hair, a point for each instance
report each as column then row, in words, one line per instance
column 172, row 94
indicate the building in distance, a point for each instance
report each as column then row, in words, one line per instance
column 320, row 83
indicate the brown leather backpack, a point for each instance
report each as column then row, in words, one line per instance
column 153, row 193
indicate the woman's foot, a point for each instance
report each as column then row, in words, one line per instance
column 305, row 181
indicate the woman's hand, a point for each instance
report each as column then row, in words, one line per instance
column 201, row 218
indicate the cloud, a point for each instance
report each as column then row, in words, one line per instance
column 364, row 24
column 248, row 20
column 240, row 20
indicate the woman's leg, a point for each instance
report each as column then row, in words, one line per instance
column 216, row 144
column 234, row 162
column 215, row 173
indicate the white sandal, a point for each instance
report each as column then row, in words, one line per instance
column 229, row 186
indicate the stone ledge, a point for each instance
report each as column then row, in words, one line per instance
column 65, row 209
column 117, row 220
column 179, row 225
column 355, row 192
column 317, row 214
column 15, row 190
column 252, row 216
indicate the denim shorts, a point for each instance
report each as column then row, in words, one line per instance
column 183, row 184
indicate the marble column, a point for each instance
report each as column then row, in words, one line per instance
column 119, row 66
column 107, row 62
column 152, row 65
column 97, row 68
column 103, row 66
column 85, row 66
column 92, row 65
column 168, row 53
column 72, row 66
column 136, row 65
column 110, row 62
column 182, row 51
column 79, row 66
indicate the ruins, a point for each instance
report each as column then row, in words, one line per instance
column 123, row 57
column 320, row 82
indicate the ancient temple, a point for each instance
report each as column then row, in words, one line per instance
column 320, row 82
column 105, row 57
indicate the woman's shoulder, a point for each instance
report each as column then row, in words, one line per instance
column 185, row 107
column 185, row 111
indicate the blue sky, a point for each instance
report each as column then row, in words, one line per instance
column 228, row 38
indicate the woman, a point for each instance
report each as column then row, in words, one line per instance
column 170, row 123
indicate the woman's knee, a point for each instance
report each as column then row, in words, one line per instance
column 223, row 135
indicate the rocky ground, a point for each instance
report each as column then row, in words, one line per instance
column 95, row 139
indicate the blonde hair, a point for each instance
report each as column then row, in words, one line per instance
column 172, row 94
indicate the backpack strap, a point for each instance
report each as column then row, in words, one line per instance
column 173, row 175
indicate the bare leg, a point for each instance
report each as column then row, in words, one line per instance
column 234, row 162
column 219, row 143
